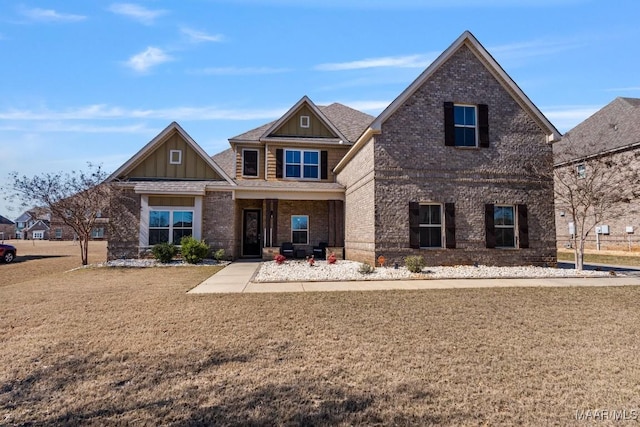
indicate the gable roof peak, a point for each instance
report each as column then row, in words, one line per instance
column 469, row 40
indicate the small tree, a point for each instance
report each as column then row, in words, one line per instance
column 592, row 188
column 77, row 198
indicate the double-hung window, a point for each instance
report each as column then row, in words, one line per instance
column 505, row 226
column 302, row 164
column 169, row 226
column 464, row 118
column 581, row 171
column 300, row 229
column 430, row 226
column 97, row 233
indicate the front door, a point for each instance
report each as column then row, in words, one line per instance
column 251, row 233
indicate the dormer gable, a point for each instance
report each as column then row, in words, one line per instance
column 305, row 121
column 172, row 155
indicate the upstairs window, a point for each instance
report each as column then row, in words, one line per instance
column 581, row 171
column 250, row 163
column 175, row 157
column 466, row 125
column 302, row 164
column 464, row 120
column 304, row 121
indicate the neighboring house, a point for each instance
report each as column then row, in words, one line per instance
column 459, row 169
column 612, row 136
column 28, row 219
column 7, row 228
column 39, row 230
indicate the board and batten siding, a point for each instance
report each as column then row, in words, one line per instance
column 292, row 126
column 157, row 165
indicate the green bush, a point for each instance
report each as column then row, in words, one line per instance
column 193, row 251
column 366, row 268
column 164, row 252
column 414, row 263
column 218, row 255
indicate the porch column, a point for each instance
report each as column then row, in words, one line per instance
column 336, row 223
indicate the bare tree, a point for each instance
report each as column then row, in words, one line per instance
column 77, row 198
column 592, row 188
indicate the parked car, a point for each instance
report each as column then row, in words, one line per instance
column 7, row 253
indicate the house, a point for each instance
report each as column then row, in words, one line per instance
column 608, row 139
column 444, row 172
column 39, row 230
column 7, row 228
column 28, row 218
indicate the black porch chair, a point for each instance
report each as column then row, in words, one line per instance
column 286, row 249
column 320, row 251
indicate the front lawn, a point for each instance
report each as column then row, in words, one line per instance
column 129, row 346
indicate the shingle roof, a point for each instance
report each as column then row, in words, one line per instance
column 5, row 221
column 227, row 161
column 349, row 121
column 615, row 126
column 289, row 185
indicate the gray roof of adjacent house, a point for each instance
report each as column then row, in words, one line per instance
column 5, row 221
column 614, row 127
column 352, row 123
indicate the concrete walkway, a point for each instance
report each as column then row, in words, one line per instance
column 236, row 278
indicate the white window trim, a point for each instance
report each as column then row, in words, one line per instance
column 474, row 127
column 301, row 151
column 96, row 235
column 441, row 225
column 172, row 159
column 514, row 226
column 257, row 163
column 143, row 240
column 38, row 235
column 305, row 122
column 307, row 230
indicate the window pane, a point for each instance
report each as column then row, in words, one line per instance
column 310, row 171
column 183, row 219
column 159, row 219
column 292, row 156
column 469, row 137
column 158, row 236
column 178, row 234
column 310, row 157
column 470, row 116
column 430, row 237
column 299, row 223
column 430, row 214
column 299, row 237
column 505, row 237
column 293, row 171
column 503, row 215
column 458, row 115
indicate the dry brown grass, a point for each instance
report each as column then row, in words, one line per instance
column 119, row 346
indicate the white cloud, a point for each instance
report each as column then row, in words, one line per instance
column 533, row 48
column 50, row 15
column 137, row 12
column 151, row 57
column 239, row 71
column 196, row 36
column 102, row 112
column 408, row 61
column 566, row 117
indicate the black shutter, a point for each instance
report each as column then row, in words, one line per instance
column 324, row 168
column 489, row 226
column 279, row 155
column 450, row 225
column 483, row 125
column 449, row 125
column 523, row 226
column 414, row 225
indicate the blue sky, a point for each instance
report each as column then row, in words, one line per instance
column 96, row 80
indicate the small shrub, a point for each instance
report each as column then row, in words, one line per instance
column 414, row 263
column 164, row 252
column 366, row 268
column 218, row 255
column 279, row 259
column 193, row 250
